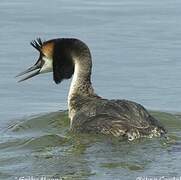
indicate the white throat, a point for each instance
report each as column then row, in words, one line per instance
column 48, row 66
column 75, row 83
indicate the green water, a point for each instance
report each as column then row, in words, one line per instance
column 42, row 145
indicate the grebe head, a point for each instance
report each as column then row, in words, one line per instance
column 54, row 55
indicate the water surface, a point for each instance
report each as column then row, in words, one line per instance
column 135, row 46
column 43, row 145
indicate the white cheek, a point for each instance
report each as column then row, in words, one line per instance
column 47, row 67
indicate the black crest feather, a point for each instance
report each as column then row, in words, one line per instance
column 37, row 44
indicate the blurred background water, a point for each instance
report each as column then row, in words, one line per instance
column 135, row 46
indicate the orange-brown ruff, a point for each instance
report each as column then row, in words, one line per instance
column 89, row 113
column 47, row 49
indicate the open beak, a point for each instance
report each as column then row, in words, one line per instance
column 35, row 69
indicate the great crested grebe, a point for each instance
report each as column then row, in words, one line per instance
column 88, row 112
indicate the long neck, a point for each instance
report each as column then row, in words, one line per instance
column 81, row 81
